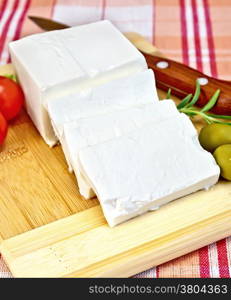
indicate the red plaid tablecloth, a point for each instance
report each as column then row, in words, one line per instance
column 197, row 32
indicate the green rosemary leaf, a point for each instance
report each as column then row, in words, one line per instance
column 184, row 101
column 168, row 96
column 222, row 122
column 219, row 116
column 190, row 114
column 196, row 95
column 215, row 119
column 211, row 102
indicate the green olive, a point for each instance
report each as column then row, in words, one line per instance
column 215, row 135
column 223, row 157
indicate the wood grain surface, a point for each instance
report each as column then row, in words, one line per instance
column 37, row 189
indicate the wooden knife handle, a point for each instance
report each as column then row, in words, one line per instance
column 182, row 80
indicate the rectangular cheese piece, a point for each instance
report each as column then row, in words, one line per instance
column 90, row 131
column 60, row 62
column 148, row 168
column 137, row 89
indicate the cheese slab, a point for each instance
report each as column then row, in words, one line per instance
column 58, row 63
column 137, row 89
column 91, row 131
column 148, row 168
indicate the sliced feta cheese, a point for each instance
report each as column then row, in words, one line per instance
column 90, row 131
column 148, row 167
column 118, row 94
column 60, row 62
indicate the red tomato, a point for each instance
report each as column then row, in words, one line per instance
column 11, row 98
column 3, row 128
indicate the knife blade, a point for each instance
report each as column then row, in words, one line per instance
column 171, row 74
column 47, row 24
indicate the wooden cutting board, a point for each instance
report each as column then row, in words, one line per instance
column 48, row 230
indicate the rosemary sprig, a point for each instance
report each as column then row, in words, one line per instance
column 184, row 101
column 187, row 106
column 196, row 95
column 211, row 102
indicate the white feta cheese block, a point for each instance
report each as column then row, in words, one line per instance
column 148, row 168
column 57, row 63
column 118, row 94
column 90, row 131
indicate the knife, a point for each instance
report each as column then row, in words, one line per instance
column 171, row 74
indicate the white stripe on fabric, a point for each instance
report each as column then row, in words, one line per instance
column 76, row 15
column 3, row 21
column 190, row 34
column 138, row 18
column 203, row 38
column 11, row 31
column 213, row 261
column 6, row 14
column 228, row 245
column 151, row 273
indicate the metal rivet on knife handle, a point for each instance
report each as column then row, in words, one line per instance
column 203, row 80
column 162, row 64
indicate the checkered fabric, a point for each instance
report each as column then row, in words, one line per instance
column 196, row 32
